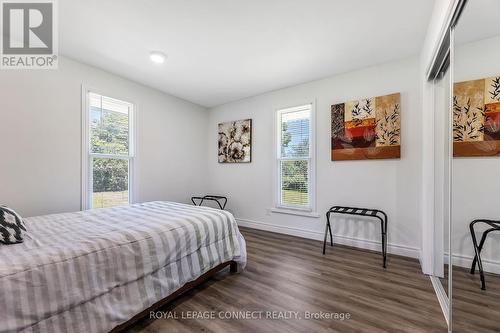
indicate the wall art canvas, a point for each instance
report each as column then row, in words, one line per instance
column 476, row 118
column 365, row 129
column 235, row 141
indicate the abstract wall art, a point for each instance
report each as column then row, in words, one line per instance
column 476, row 118
column 365, row 129
column 235, row 141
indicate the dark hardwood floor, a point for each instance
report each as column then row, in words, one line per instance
column 287, row 273
column 475, row 310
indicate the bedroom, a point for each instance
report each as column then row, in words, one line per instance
column 241, row 166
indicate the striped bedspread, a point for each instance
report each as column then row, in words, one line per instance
column 91, row 271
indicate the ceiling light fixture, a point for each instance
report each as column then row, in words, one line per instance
column 157, row 57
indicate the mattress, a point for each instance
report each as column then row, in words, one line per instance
column 93, row 270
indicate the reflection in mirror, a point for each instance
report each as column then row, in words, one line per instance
column 476, row 168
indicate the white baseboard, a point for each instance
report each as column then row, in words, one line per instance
column 338, row 239
column 491, row 266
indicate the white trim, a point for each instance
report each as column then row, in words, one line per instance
column 442, row 297
column 278, row 208
column 117, row 157
column 84, row 150
column 367, row 244
column 428, row 183
column 86, row 176
column 298, row 212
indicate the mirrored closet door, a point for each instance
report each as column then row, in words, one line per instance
column 475, row 226
column 442, row 160
column 440, row 75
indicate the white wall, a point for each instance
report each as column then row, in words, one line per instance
column 40, row 139
column 476, row 182
column 392, row 185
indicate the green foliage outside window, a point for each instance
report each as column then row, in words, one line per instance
column 109, row 135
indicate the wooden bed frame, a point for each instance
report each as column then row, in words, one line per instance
column 233, row 268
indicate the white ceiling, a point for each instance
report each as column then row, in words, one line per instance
column 480, row 20
column 224, row 50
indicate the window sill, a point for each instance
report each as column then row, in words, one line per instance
column 295, row 212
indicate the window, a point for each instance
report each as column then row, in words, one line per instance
column 295, row 158
column 109, row 153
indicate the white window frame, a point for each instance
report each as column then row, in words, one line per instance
column 293, row 209
column 88, row 156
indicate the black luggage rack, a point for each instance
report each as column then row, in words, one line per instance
column 493, row 226
column 216, row 198
column 376, row 213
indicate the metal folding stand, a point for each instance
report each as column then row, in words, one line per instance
column 360, row 212
column 216, row 198
column 494, row 226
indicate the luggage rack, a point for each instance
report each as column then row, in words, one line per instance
column 376, row 213
column 493, row 226
column 216, row 198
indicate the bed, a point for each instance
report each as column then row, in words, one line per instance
column 96, row 270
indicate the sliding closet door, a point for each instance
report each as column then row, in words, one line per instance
column 441, row 77
column 442, row 173
column 476, row 165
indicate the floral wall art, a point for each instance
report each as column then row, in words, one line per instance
column 235, row 141
column 364, row 129
column 476, row 117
